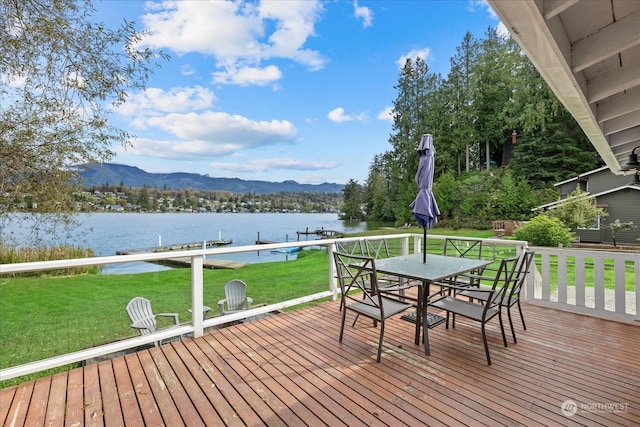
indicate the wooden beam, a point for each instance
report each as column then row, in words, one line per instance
column 619, row 105
column 552, row 8
column 612, row 82
column 608, row 41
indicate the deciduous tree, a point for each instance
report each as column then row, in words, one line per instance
column 60, row 73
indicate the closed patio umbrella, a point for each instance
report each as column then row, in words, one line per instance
column 424, row 207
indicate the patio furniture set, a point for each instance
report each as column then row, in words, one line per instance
column 467, row 286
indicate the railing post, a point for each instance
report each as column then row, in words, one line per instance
column 417, row 243
column 405, row 245
column 333, row 287
column 197, row 279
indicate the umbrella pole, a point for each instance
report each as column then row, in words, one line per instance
column 424, row 245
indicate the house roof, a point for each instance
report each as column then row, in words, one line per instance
column 582, row 175
column 589, row 54
column 587, row 195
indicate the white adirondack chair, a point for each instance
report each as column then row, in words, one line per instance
column 236, row 298
column 140, row 313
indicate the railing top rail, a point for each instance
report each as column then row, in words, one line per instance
column 156, row 256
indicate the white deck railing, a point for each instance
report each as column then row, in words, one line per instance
column 594, row 272
column 598, row 283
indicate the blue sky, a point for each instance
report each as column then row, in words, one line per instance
column 280, row 90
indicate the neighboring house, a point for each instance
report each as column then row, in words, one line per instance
column 619, row 195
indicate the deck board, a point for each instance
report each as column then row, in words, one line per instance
column 290, row 369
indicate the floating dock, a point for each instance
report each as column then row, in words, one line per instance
column 325, row 234
column 186, row 261
column 208, row 263
column 177, row 247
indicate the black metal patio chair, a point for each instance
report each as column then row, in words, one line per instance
column 481, row 312
column 360, row 294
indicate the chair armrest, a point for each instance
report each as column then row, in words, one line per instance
column 138, row 324
column 466, row 288
column 174, row 315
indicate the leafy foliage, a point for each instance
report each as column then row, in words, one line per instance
column 544, row 230
column 617, row 226
column 60, row 73
column 352, row 207
column 578, row 211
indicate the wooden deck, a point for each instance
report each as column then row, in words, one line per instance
column 290, row 369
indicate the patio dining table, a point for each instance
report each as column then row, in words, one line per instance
column 436, row 269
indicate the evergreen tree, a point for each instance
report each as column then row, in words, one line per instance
column 413, row 117
column 457, row 138
column 352, row 206
column 376, row 194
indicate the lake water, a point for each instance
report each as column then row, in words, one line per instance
column 107, row 233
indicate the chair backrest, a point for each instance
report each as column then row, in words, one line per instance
column 235, row 292
column 463, row 248
column 358, row 280
column 351, row 247
column 519, row 276
column 377, row 249
column 139, row 311
column 502, row 282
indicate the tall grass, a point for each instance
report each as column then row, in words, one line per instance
column 12, row 254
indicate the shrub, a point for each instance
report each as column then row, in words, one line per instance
column 544, row 230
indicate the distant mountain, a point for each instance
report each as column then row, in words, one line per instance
column 130, row 176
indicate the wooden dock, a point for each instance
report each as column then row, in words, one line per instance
column 208, row 263
column 324, row 234
column 186, row 261
column 177, row 247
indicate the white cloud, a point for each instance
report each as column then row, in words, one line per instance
column 364, row 13
column 224, row 128
column 187, row 70
column 502, row 31
column 246, row 76
column 177, row 99
column 338, row 115
column 240, row 35
column 424, row 53
column 475, row 5
column 209, row 134
column 265, row 165
column 386, row 114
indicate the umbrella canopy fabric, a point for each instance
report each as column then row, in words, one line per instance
column 424, row 207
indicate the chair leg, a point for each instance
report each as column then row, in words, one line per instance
column 380, row 340
column 521, row 315
column 344, row 318
column 486, row 345
column 513, row 331
column 504, row 337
